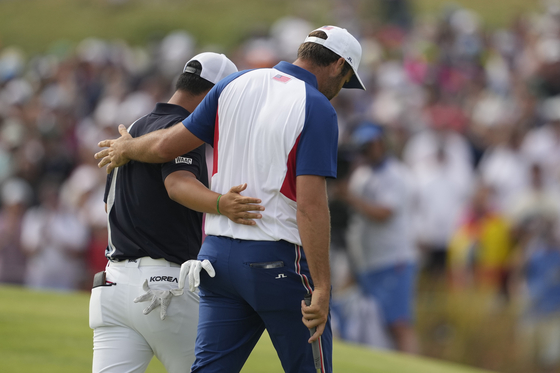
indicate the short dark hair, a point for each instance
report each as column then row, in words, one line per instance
column 193, row 82
column 318, row 54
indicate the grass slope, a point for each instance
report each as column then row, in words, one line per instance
column 48, row 332
column 35, row 25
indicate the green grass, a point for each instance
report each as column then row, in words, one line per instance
column 48, row 332
column 35, row 25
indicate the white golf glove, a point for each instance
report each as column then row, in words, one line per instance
column 191, row 269
column 158, row 297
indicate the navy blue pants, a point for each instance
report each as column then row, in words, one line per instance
column 258, row 285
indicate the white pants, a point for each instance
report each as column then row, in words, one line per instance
column 124, row 339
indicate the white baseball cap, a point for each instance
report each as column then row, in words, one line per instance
column 215, row 66
column 341, row 42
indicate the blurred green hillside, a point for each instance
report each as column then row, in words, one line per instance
column 35, row 25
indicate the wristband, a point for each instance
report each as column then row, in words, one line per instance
column 218, row 204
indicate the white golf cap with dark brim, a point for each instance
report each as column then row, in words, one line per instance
column 215, row 66
column 341, row 42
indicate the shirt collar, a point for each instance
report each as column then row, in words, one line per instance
column 165, row 109
column 298, row 72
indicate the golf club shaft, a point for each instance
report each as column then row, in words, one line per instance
column 314, row 344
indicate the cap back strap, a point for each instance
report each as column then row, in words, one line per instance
column 314, row 39
column 193, row 70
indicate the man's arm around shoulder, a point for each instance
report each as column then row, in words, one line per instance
column 154, row 147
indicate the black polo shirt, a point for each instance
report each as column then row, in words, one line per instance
column 143, row 220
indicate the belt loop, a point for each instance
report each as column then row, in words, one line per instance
column 133, row 263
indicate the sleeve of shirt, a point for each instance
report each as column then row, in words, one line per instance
column 191, row 162
column 203, row 119
column 318, row 144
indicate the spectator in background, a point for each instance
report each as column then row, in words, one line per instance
column 355, row 317
column 81, row 193
column 546, row 49
column 537, row 199
column 397, row 12
column 541, row 270
column 445, row 123
column 542, row 144
column 535, row 203
column 504, row 167
column 439, row 199
column 339, row 212
column 380, row 234
column 480, row 247
column 442, row 169
column 55, row 240
column 16, row 196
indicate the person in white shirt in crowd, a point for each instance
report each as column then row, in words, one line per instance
column 16, row 195
column 380, row 240
column 504, row 167
column 439, row 199
column 537, row 200
column 55, row 241
column 542, row 144
column 443, row 132
column 441, row 162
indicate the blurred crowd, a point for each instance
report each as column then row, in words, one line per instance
column 449, row 164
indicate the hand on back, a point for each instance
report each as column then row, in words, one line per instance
column 238, row 208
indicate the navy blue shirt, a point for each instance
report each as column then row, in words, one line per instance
column 143, row 220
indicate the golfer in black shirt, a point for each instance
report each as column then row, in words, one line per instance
column 155, row 225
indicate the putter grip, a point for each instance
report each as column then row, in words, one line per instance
column 315, row 344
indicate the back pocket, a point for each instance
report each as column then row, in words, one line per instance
column 267, row 265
